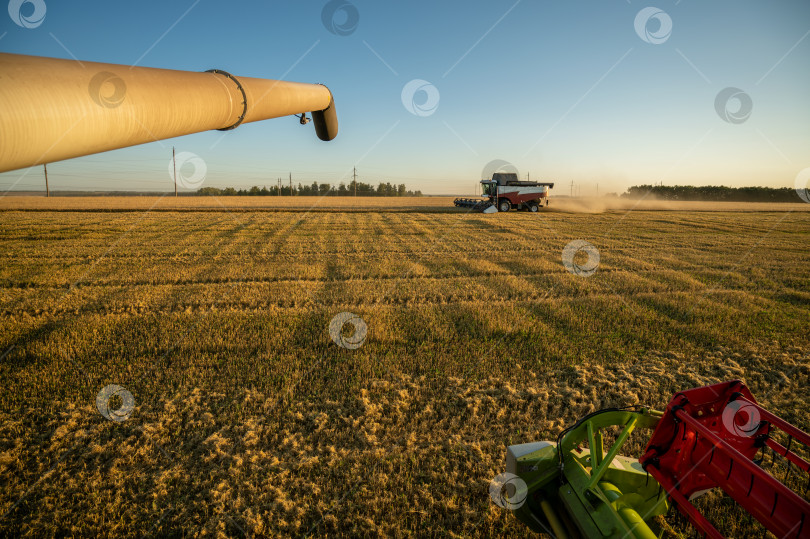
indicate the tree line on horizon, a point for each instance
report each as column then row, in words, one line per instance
column 386, row 189
column 714, row 193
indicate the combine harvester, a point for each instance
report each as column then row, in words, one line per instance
column 53, row 109
column 707, row 438
column 504, row 192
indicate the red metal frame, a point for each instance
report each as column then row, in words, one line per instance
column 516, row 198
column 708, row 438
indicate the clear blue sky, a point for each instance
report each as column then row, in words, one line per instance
column 566, row 91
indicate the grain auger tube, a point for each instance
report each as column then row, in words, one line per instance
column 53, row 109
column 707, row 438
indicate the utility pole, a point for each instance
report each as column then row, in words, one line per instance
column 47, row 189
column 354, row 177
column 278, row 184
column 174, row 166
column 291, row 191
column 572, row 188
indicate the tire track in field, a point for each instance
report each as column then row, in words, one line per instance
column 434, row 276
column 516, row 298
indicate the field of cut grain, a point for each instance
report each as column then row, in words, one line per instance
column 249, row 420
column 350, row 204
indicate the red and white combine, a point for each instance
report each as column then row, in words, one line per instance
column 505, row 191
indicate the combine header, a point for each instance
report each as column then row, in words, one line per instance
column 504, row 192
column 707, row 438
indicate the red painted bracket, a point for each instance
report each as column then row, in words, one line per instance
column 708, row 438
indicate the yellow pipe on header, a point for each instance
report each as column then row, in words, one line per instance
column 53, row 109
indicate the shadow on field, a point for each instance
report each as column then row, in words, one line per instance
column 20, row 350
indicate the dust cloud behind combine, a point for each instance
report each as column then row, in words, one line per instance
column 607, row 204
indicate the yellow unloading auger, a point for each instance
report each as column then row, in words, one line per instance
column 53, row 109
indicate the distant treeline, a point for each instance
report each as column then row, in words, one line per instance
column 316, row 189
column 714, row 193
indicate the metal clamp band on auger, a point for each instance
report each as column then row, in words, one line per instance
column 244, row 98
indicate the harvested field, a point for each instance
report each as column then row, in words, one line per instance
column 331, row 203
column 249, row 420
column 224, row 203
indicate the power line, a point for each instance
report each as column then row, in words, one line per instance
column 174, row 166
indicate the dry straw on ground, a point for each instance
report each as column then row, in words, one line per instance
column 329, row 203
column 249, row 420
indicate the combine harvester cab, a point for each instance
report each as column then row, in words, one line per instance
column 505, row 191
column 707, row 438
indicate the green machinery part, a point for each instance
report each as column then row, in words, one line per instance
column 575, row 491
